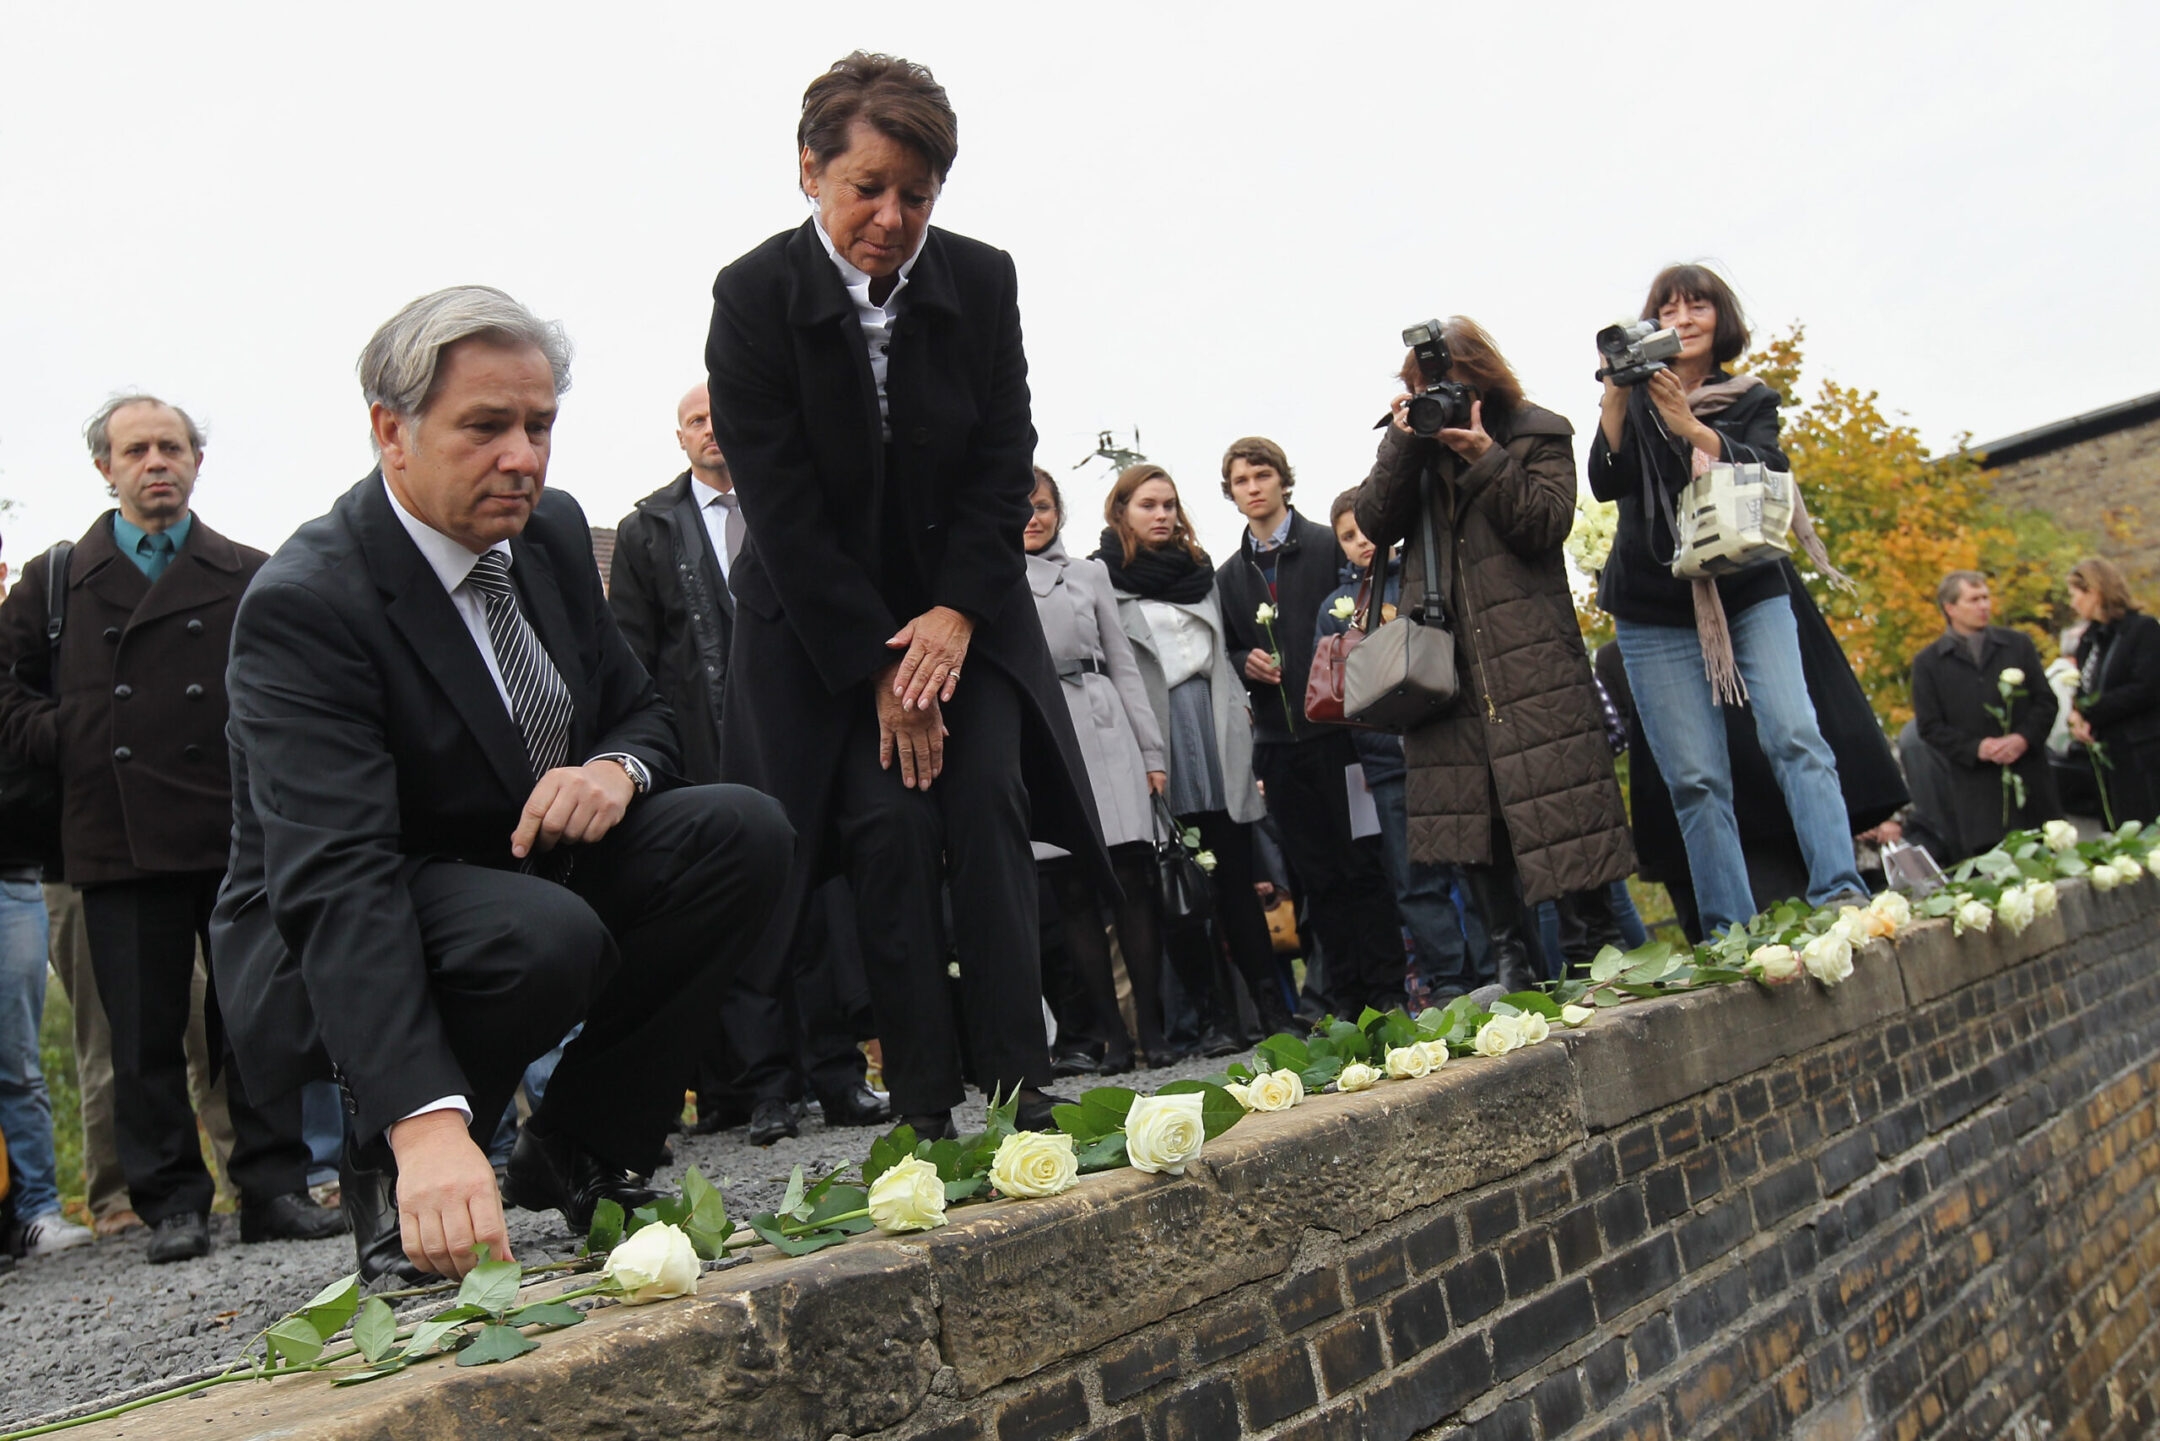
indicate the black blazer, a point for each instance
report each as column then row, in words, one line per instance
column 1307, row 568
column 666, row 589
column 1950, row 696
column 367, row 736
column 2126, row 691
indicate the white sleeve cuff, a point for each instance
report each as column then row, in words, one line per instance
column 447, row 1103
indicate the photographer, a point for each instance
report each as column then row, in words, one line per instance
column 1688, row 645
column 1514, row 781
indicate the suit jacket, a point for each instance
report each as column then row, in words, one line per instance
column 367, row 738
column 138, row 726
column 1951, row 695
column 820, row 584
column 675, row 609
column 1306, row 569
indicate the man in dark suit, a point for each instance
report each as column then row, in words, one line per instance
column 458, row 824
column 668, row 587
column 135, row 723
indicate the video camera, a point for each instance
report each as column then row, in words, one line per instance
column 1443, row 404
column 1635, row 350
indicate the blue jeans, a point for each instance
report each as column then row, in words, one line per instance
column 322, row 1127
column 1423, row 893
column 537, row 1076
column 1686, row 730
column 25, row 1108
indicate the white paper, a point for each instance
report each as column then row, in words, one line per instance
column 1364, row 815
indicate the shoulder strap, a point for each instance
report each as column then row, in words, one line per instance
column 1438, row 563
column 56, row 578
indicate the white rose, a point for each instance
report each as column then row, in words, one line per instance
column 1265, row 613
column 1034, row 1163
column 2129, row 868
column 2045, row 897
column 1851, row 926
column 1357, row 1076
column 1240, row 1094
column 2060, row 836
column 1576, row 1016
column 1972, row 916
column 1205, row 860
column 1276, row 1091
column 1497, row 1037
column 1343, row 608
column 909, row 1197
column 2011, row 675
column 1436, row 1054
column 1532, row 1027
column 1162, row 1133
column 1828, row 958
column 657, row 1263
column 1776, row 964
column 2015, row 909
column 1407, row 1063
column 1893, row 907
column 2104, row 877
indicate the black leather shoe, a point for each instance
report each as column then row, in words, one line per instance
column 293, row 1217
column 180, row 1238
column 369, row 1201
column 719, row 1116
column 1214, row 1042
column 771, row 1120
column 554, row 1173
column 933, row 1126
column 858, row 1105
column 1076, row 1058
column 1033, row 1112
column 1118, row 1060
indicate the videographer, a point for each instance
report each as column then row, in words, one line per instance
column 1688, row 645
column 1514, row 781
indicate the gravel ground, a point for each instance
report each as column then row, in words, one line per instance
column 100, row 1320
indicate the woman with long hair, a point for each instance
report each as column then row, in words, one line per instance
column 2118, row 704
column 1168, row 608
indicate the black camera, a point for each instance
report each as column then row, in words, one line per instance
column 1443, row 404
column 1635, row 350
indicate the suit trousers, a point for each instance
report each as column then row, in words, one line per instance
column 902, row 848
column 635, row 945
column 1345, row 881
column 143, row 938
column 792, row 1012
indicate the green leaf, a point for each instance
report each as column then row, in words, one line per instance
column 1350, row 1042
column 426, row 1337
column 961, row 1190
column 1395, row 1029
column 839, row 1201
column 767, row 1225
column 791, row 1204
column 1536, row 1003
column 707, row 1225
column 1283, row 1053
column 1219, row 1111
column 887, row 1151
column 457, row 1314
column 332, row 1307
column 373, row 1373
column 1107, row 1106
column 1609, row 962
column 496, row 1343
column 492, row 1286
column 1073, row 1121
column 546, row 1313
column 1316, row 1076
column 375, row 1333
column 1240, row 1072
column 294, row 1341
column 607, row 1228
column 947, row 1157
column 1106, row 1153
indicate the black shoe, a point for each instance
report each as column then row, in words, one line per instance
column 180, row 1238
column 770, row 1121
column 294, row 1217
column 932, row 1126
column 1033, row 1112
column 554, row 1173
column 369, row 1201
column 858, row 1105
column 1214, row 1043
column 1120, row 1059
column 719, row 1116
column 1076, row 1058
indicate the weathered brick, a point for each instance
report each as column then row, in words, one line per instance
column 1705, row 1173
column 1058, row 1409
column 1237, row 1327
column 1376, row 1271
column 959, row 1428
column 1526, row 1262
column 1605, row 1372
column 1558, row 1401
column 1510, row 1422
column 1337, row 1423
column 1491, row 1218
column 1665, row 1194
column 1844, row 1162
column 1542, row 1195
column 1277, row 1384
column 1529, row 1334
column 1474, row 1288
column 1125, row 1428
column 1205, row 1411
column 1307, row 1297
column 1435, row 1243
column 1654, row 1344
column 1708, row 1309
column 1147, row 1360
column 1349, row 1352
column 1419, row 1396
column 1710, row 1235
column 1635, row 1275
column 1621, row 1216
column 1680, row 1131
column 1416, row 1318
column 1645, row 1423
column 1635, row 1150
column 1781, row 1193
column 1595, row 1171
column 1575, row 1238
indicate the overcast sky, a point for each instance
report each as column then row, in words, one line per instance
column 1223, row 215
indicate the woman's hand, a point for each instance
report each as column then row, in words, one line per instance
column 1672, row 403
column 936, row 642
column 916, row 737
column 1399, row 408
column 2080, row 728
column 1612, row 410
column 1472, row 442
column 1158, row 782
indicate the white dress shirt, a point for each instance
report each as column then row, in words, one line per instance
column 1184, row 643
column 876, row 320
column 452, row 563
column 716, row 519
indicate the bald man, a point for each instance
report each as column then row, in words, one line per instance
column 668, row 587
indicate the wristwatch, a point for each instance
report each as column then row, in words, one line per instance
column 640, row 778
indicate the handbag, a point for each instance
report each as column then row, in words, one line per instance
column 30, row 792
column 1187, row 897
column 1402, row 674
column 1729, row 518
column 1324, row 682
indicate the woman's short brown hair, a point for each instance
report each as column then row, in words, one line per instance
column 1057, row 497
column 1700, row 282
column 1478, row 363
column 1256, row 450
column 2099, row 576
column 898, row 98
column 1129, row 480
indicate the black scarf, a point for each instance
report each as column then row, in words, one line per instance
column 1168, row 574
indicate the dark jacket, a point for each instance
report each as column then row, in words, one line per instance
column 1638, row 584
column 674, row 608
column 1380, row 754
column 366, row 735
column 821, row 585
column 1306, row 570
column 1527, row 726
column 1951, row 695
column 2124, row 682
column 138, row 729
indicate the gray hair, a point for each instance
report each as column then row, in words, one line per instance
column 397, row 369
column 1952, row 588
column 97, row 430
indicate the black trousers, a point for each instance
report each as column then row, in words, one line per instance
column 1347, row 894
column 793, row 1014
column 143, row 936
column 635, row 945
column 903, row 847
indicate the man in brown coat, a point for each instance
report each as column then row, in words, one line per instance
column 134, row 718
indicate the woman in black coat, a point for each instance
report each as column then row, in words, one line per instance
column 889, row 682
column 2118, row 705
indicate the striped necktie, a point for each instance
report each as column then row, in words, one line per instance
column 539, row 700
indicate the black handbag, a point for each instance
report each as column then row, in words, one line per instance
column 1188, row 898
column 30, row 792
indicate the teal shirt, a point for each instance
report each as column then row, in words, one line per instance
column 151, row 553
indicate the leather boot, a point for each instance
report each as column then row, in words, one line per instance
column 1499, row 903
column 367, row 1182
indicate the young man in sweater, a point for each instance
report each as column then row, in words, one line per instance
column 1289, row 565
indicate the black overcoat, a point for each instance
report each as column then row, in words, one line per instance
column 673, row 604
column 138, row 729
column 795, row 410
column 1951, row 694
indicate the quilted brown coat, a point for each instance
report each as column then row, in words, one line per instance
column 1527, row 728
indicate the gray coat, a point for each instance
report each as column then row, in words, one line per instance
column 1233, row 717
column 1119, row 738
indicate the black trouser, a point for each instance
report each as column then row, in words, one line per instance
column 1082, row 987
column 1346, row 890
column 627, row 946
column 1242, row 926
column 143, row 936
column 791, row 1013
column 969, row 829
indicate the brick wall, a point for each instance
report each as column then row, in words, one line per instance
column 1923, row 1204
column 2081, row 483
